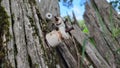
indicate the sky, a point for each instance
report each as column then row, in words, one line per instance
column 78, row 8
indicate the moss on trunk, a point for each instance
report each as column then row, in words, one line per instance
column 4, row 30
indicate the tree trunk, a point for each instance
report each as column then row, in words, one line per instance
column 22, row 43
column 22, row 39
column 103, row 23
column 23, row 25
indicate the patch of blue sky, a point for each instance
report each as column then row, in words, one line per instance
column 78, row 8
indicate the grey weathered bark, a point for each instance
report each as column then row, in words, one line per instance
column 24, row 48
column 101, row 20
column 23, row 26
column 24, row 45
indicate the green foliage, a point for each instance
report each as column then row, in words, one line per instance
column 83, row 26
column 86, row 30
column 116, row 32
column 92, row 41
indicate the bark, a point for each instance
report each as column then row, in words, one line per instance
column 101, row 19
column 23, row 26
column 24, row 45
column 24, row 49
column 91, row 51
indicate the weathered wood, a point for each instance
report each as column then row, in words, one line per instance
column 94, row 55
column 10, row 44
column 101, row 19
column 24, row 49
column 69, row 59
column 27, row 47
